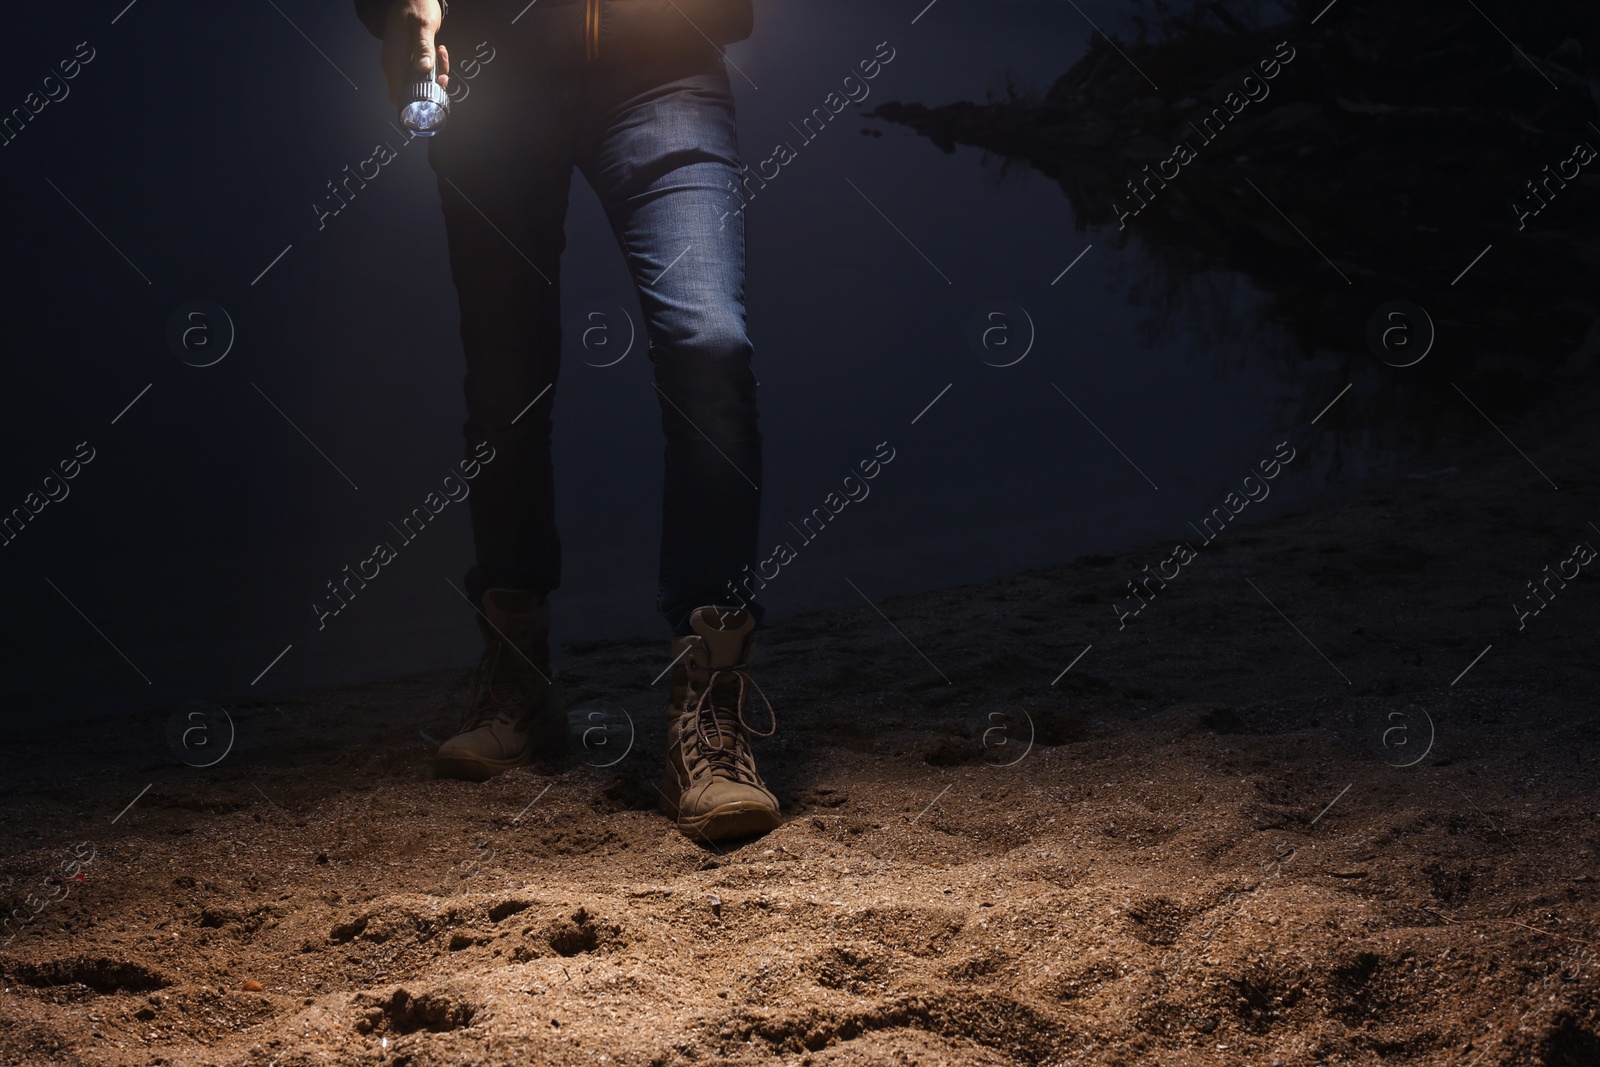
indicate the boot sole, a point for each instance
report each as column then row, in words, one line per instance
column 742, row 818
column 468, row 768
column 478, row 769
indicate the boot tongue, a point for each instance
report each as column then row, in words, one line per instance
column 725, row 632
column 500, row 605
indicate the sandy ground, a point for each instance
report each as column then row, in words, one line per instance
column 1209, row 854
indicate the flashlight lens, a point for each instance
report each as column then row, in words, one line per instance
column 423, row 117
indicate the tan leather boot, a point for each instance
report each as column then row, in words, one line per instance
column 514, row 713
column 711, row 787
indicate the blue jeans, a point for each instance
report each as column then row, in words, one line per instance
column 656, row 140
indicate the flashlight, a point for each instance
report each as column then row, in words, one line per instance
column 424, row 107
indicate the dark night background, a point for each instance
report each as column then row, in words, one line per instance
column 1229, row 780
column 198, row 140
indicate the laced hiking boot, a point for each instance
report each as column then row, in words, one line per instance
column 711, row 787
column 514, row 713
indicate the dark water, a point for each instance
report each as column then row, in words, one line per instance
column 197, row 141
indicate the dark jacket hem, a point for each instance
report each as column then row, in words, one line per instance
column 628, row 24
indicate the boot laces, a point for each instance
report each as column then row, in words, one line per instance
column 729, row 754
column 499, row 689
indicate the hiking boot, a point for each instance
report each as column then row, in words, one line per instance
column 514, row 713
column 711, row 787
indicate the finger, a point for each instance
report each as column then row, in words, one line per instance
column 422, row 51
column 444, row 67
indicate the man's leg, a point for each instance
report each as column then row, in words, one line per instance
column 503, row 173
column 504, row 195
column 666, row 166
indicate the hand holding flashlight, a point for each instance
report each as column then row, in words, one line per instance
column 418, row 71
